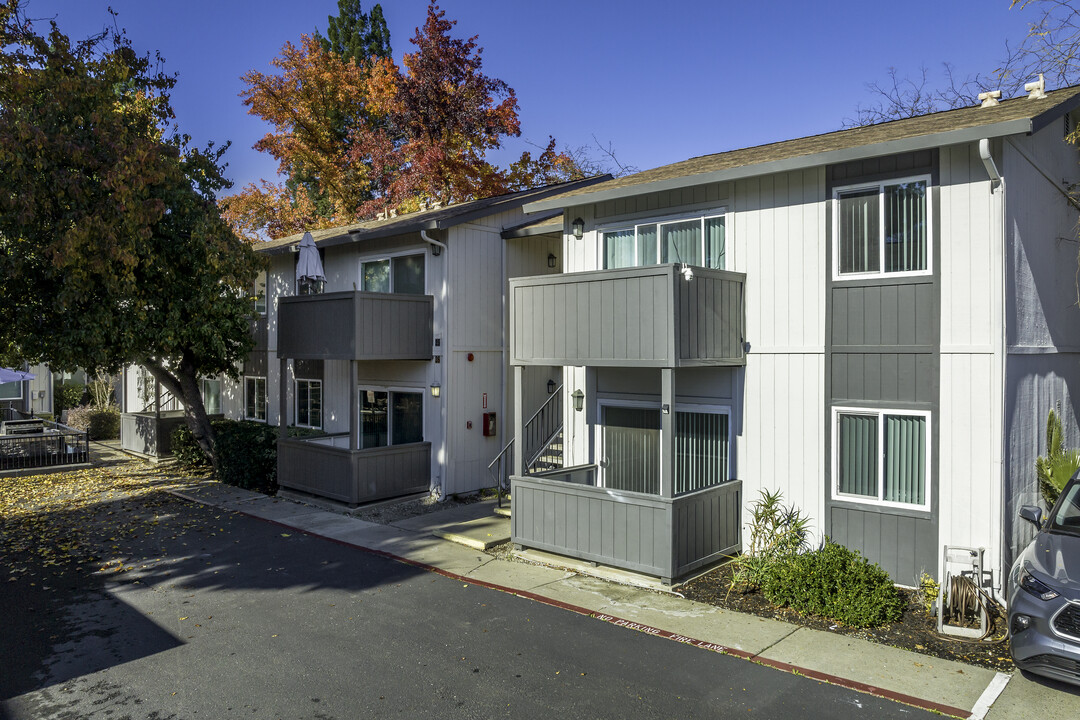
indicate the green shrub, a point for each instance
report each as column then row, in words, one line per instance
column 1058, row 465
column 186, row 451
column 777, row 532
column 836, row 583
column 67, row 397
column 100, row 424
column 246, row 453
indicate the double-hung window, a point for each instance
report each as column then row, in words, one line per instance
column 882, row 457
column 695, row 241
column 309, row 403
column 883, row 229
column 402, row 274
column 255, row 398
column 391, row 417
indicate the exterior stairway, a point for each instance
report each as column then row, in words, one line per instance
column 543, row 447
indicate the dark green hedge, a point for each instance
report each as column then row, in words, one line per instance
column 246, row 453
column 837, row 583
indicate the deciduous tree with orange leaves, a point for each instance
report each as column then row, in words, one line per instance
column 412, row 137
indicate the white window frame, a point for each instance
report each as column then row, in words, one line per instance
column 261, row 303
column 266, row 398
column 707, row 408
column 389, row 410
column 18, row 384
column 202, row 389
column 657, row 222
column 390, row 256
column 880, row 272
column 880, row 414
column 296, row 402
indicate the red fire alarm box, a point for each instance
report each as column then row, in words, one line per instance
column 489, row 424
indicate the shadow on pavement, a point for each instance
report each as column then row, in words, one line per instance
column 65, row 619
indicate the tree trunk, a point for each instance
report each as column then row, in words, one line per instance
column 183, row 383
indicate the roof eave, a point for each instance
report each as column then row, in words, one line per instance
column 801, row 162
column 445, row 223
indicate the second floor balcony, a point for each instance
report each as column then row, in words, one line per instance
column 356, row 326
column 652, row 316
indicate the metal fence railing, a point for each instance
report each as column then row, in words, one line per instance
column 53, row 445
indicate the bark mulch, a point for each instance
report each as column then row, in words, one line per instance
column 916, row 630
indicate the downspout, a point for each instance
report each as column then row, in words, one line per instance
column 437, row 248
column 997, row 179
column 433, row 242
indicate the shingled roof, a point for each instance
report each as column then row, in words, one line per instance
column 1018, row 115
column 436, row 219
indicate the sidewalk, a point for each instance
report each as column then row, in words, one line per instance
column 939, row 685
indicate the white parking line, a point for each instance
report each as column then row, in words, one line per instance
column 990, row 694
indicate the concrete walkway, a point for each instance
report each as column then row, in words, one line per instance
column 450, row 543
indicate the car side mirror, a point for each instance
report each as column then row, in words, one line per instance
column 1032, row 514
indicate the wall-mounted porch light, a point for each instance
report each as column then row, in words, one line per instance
column 551, row 387
column 578, row 226
column 436, row 390
column 552, row 260
column 579, row 399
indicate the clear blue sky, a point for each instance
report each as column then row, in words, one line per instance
column 660, row 81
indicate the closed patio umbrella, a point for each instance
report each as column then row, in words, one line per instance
column 309, row 267
column 7, row 375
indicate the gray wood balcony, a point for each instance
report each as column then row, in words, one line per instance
column 643, row 317
column 563, row 511
column 356, row 326
column 326, row 466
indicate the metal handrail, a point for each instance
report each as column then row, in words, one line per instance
column 543, row 427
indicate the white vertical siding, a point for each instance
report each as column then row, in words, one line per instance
column 335, row 396
column 474, row 325
column 1041, row 319
column 969, row 422
column 778, row 228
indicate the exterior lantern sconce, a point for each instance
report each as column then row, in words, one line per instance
column 551, row 260
column 578, row 226
column 436, row 390
column 579, row 400
column 436, row 251
column 551, row 387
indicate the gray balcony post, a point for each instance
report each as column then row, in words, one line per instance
column 518, row 453
column 283, row 398
column 667, row 432
column 354, row 408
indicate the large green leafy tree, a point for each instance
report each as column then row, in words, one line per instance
column 112, row 250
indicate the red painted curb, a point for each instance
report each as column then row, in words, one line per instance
column 629, row 624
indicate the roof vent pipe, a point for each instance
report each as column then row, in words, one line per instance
column 990, row 99
column 1036, row 90
column 988, row 162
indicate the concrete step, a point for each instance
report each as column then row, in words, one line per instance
column 479, row 534
column 503, row 511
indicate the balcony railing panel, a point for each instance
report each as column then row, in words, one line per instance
column 649, row 316
column 356, row 326
column 564, row 512
column 320, row 466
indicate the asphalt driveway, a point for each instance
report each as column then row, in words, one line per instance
column 187, row 611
